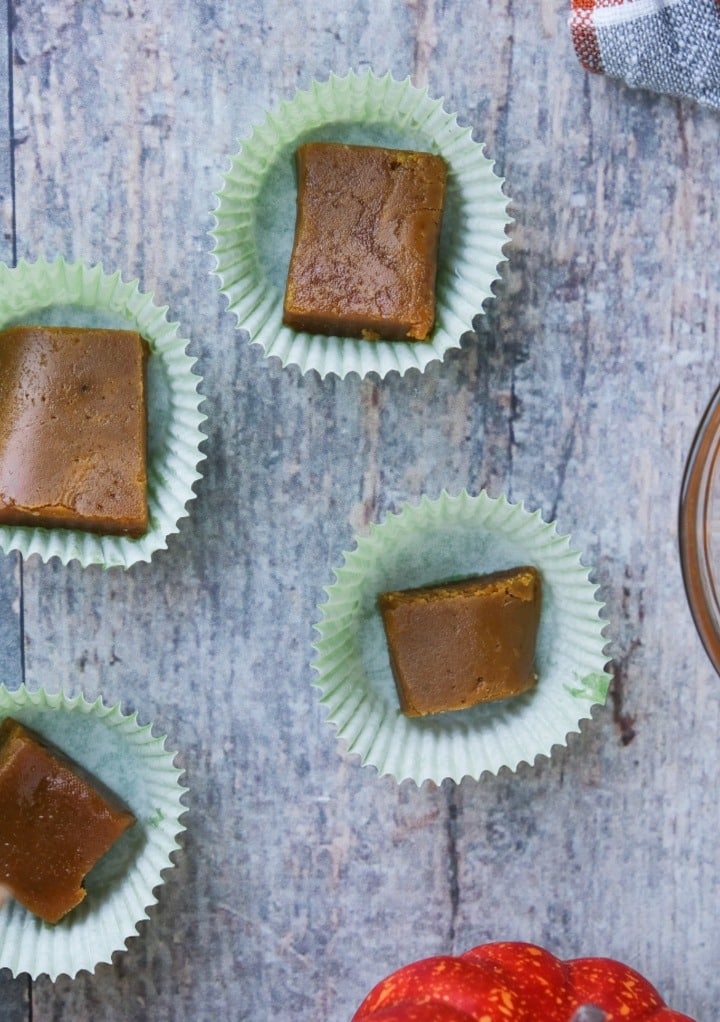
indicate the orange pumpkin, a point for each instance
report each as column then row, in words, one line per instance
column 515, row 982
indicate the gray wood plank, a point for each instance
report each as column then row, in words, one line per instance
column 14, row 992
column 10, row 567
column 304, row 878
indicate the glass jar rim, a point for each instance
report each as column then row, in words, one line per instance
column 702, row 586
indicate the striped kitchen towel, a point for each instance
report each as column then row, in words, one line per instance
column 668, row 46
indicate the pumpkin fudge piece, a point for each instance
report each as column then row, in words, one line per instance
column 456, row 644
column 55, row 823
column 73, row 429
column 364, row 259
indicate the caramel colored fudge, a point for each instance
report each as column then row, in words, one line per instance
column 55, row 823
column 456, row 644
column 364, row 260
column 73, row 429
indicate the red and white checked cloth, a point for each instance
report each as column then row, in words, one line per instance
column 670, row 46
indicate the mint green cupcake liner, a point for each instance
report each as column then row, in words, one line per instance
column 125, row 883
column 454, row 537
column 255, row 220
column 59, row 293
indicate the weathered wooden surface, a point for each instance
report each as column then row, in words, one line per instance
column 304, row 878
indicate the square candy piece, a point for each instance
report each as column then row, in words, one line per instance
column 55, row 823
column 456, row 644
column 364, row 260
column 73, row 429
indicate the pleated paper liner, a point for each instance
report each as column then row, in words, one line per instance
column 59, row 293
column 255, row 220
column 124, row 884
column 454, row 537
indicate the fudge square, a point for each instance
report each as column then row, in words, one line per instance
column 456, row 644
column 365, row 253
column 73, row 429
column 55, row 823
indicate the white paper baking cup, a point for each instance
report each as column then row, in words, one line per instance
column 455, row 537
column 124, row 884
column 58, row 293
column 255, row 220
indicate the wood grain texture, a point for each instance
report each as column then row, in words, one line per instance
column 304, row 878
column 10, row 582
column 14, row 993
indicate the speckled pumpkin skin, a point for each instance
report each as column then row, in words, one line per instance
column 513, row 982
